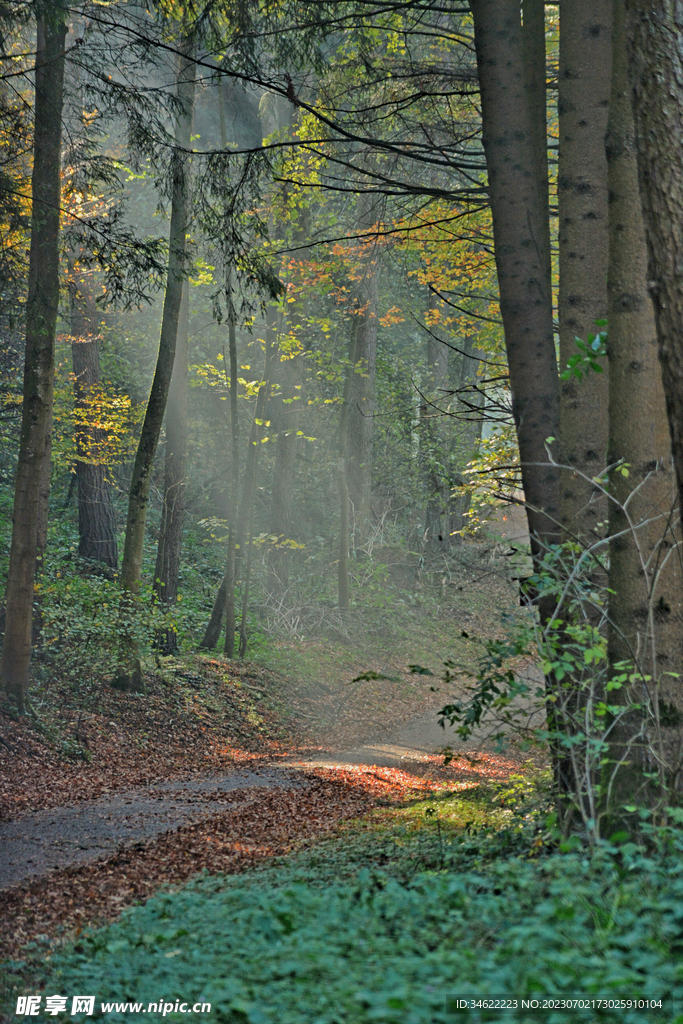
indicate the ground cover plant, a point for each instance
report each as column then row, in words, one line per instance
column 399, row 917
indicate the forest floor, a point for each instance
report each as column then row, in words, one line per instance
column 106, row 797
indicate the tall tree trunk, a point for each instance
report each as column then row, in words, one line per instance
column 343, row 489
column 519, row 231
column 32, row 480
column 646, row 601
column 284, row 414
column 361, row 408
column 129, row 676
column 469, row 433
column 177, row 272
column 245, row 517
column 436, row 456
column 535, row 80
column 656, row 75
column 167, row 568
column 584, row 87
column 224, row 603
column 96, row 518
column 240, row 528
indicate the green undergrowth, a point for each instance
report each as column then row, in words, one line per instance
column 401, row 915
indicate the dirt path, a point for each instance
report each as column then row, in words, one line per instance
column 44, row 841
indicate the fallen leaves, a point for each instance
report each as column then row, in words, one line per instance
column 261, row 823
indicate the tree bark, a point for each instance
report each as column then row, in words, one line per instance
column 96, row 518
column 129, row 676
column 32, row 480
column 646, row 601
column 656, row 75
column 535, row 81
column 519, row 232
column 584, row 88
column 167, row 568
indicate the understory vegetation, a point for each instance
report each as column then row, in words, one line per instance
column 460, row 895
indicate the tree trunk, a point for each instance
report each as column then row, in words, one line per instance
column 129, row 676
column 284, row 413
column 656, row 75
column 167, row 567
column 245, row 517
column 361, row 407
column 535, row 78
column 177, row 272
column 224, row 604
column 32, row 480
column 469, row 431
column 96, row 518
column 519, row 232
column 343, row 489
column 240, row 527
column 645, row 604
column 584, row 85
column 435, row 456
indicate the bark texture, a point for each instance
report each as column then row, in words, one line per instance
column 167, row 569
column 32, row 480
column 656, row 76
column 646, row 599
column 583, row 101
column 519, row 231
column 535, row 79
column 96, row 516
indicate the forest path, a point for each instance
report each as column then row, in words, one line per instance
column 43, row 841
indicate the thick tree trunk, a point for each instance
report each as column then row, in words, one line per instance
column 96, row 518
column 361, row 406
column 167, row 568
column 32, row 480
column 646, row 602
column 129, row 676
column 519, row 231
column 584, row 85
column 535, row 79
column 656, row 73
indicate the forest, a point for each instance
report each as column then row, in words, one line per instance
column 341, row 465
